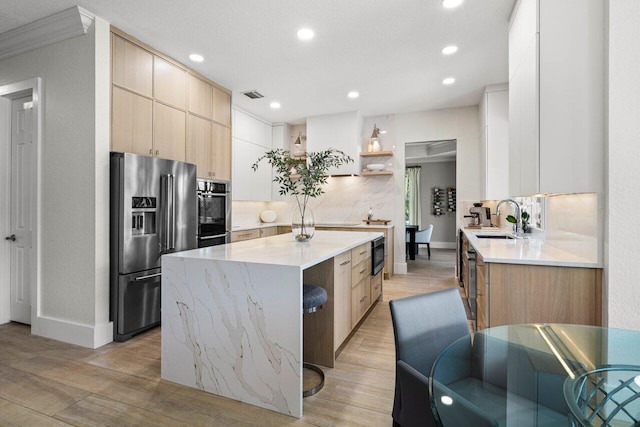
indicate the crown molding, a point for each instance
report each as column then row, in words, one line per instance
column 71, row 22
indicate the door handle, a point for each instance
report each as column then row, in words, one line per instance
column 12, row 238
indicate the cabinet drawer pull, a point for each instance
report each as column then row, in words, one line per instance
column 363, row 298
column 245, row 235
column 479, row 293
column 157, row 152
column 363, row 252
column 377, row 286
column 150, row 151
column 362, row 271
column 346, row 262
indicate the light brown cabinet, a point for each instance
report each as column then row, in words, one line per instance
column 169, row 127
column 169, row 83
column 161, row 108
column 131, row 66
column 268, row 231
column 360, row 282
column 376, row 287
column 200, row 101
column 221, row 152
column 131, row 129
column 221, row 106
column 239, row 236
column 342, row 298
column 199, row 145
column 388, row 245
column 510, row 294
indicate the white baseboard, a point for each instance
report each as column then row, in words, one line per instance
column 73, row 333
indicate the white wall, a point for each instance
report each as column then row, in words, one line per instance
column 622, row 233
column 441, row 175
column 460, row 124
column 75, row 197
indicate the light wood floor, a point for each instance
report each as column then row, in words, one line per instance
column 45, row 382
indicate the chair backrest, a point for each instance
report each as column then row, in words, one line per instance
column 423, row 325
column 424, row 236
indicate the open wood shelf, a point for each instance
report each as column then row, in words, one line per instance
column 377, row 154
column 374, row 173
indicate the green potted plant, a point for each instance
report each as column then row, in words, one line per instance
column 525, row 221
column 302, row 178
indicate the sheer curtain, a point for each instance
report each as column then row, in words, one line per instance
column 412, row 195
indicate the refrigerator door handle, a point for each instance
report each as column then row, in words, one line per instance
column 171, row 213
column 167, row 228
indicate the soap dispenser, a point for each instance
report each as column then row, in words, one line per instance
column 370, row 214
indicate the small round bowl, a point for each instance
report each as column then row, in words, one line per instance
column 268, row 216
column 375, row 167
column 477, row 204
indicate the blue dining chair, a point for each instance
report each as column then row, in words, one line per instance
column 423, row 325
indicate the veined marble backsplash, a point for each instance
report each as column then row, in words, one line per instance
column 346, row 200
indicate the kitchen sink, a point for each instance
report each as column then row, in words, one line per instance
column 495, row 236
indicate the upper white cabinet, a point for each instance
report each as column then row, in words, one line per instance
column 556, row 96
column 494, row 142
column 251, row 129
column 251, row 139
column 281, row 138
column 340, row 131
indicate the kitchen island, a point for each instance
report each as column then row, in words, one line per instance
column 232, row 316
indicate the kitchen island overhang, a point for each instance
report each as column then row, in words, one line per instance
column 232, row 316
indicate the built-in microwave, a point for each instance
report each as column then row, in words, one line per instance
column 377, row 255
column 214, row 212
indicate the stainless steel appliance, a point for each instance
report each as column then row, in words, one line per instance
column 471, row 261
column 153, row 212
column 377, row 255
column 214, row 212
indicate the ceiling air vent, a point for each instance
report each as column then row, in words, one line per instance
column 253, row 94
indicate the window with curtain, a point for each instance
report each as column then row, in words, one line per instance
column 412, row 197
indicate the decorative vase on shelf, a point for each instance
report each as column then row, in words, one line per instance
column 303, row 225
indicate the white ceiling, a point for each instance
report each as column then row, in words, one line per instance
column 388, row 50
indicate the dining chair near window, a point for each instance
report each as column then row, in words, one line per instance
column 423, row 237
column 423, row 325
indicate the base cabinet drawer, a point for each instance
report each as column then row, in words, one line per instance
column 376, row 286
column 360, row 270
column 360, row 300
column 360, row 253
column 239, row 236
column 268, row 231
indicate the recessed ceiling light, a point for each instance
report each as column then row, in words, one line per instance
column 275, row 105
column 450, row 4
column 353, row 94
column 449, row 50
column 196, row 58
column 448, row 81
column 305, row 34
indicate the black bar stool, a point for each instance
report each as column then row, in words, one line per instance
column 313, row 297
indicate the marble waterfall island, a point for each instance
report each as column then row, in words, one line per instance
column 232, row 316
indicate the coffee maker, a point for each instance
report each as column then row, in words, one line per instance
column 482, row 213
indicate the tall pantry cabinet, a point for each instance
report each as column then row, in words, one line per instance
column 556, row 96
column 161, row 108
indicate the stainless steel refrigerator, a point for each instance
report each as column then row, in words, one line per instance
column 153, row 212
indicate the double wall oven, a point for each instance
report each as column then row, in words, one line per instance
column 214, row 212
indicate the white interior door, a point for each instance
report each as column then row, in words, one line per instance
column 21, row 215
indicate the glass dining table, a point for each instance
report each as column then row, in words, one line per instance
column 539, row 375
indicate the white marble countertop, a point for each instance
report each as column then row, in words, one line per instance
column 319, row 224
column 282, row 249
column 534, row 250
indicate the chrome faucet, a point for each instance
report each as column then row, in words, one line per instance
column 518, row 214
